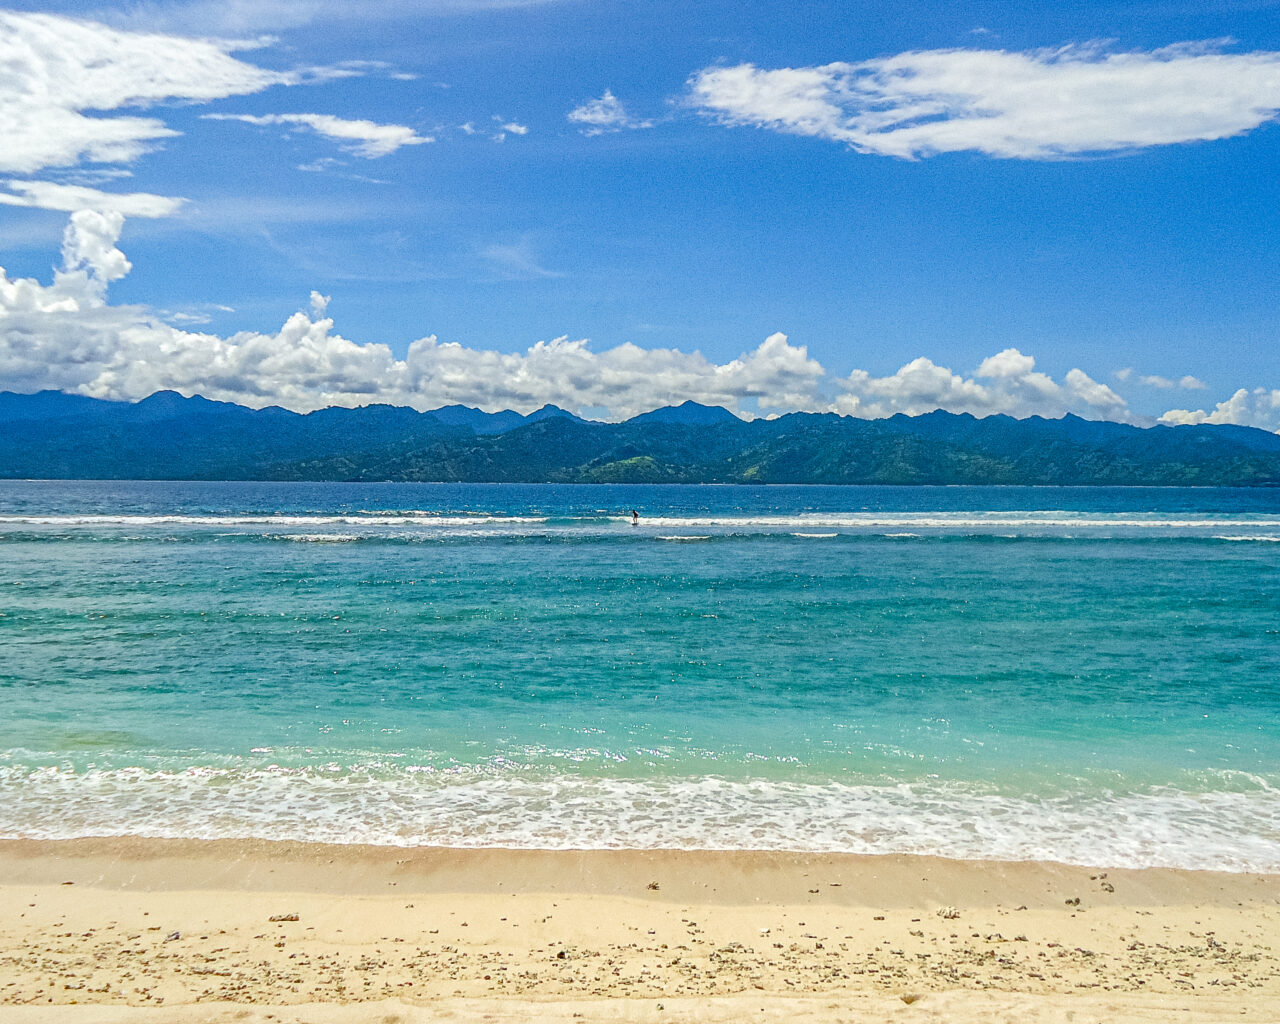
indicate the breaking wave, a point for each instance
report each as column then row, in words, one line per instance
column 1233, row 830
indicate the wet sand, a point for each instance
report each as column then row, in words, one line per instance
column 110, row 930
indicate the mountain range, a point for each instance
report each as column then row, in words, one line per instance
column 168, row 436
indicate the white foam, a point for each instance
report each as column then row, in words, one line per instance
column 515, row 806
column 271, row 520
column 935, row 520
column 904, row 524
column 972, row 521
column 816, row 536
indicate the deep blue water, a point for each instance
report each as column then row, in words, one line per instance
column 1086, row 674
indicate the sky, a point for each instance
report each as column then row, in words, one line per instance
column 613, row 205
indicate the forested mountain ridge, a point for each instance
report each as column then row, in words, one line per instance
column 167, row 436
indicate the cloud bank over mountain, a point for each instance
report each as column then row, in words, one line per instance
column 67, row 336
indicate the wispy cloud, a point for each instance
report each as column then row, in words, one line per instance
column 1032, row 105
column 64, row 81
column 499, row 132
column 48, row 195
column 362, row 138
column 605, row 114
column 1187, row 383
column 516, row 261
column 333, row 167
column 56, row 69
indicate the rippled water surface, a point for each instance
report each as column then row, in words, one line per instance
column 1083, row 674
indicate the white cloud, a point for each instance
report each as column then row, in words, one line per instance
column 1098, row 399
column 605, row 114
column 92, row 176
column 1004, row 383
column 781, row 377
column 53, row 70
column 1259, row 407
column 322, row 165
column 90, row 261
column 1187, row 383
column 1033, row 105
column 65, row 335
column 89, row 254
column 1009, row 364
column 499, row 132
column 48, row 195
column 362, row 138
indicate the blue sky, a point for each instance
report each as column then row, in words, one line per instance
column 983, row 207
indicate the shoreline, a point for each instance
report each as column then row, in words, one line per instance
column 725, row 876
column 99, row 929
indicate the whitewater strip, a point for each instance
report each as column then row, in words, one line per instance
column 1236, row 828
column 808, row 521
column 108, row 930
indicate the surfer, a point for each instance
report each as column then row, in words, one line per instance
column 635, row 518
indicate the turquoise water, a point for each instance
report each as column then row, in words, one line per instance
column 1089, row 675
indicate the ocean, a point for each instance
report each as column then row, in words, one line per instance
column 1087, row 675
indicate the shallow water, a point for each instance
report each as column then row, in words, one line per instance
column 1088, row 674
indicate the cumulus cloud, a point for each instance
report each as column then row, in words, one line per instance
column 605, row 114
column 65, row 335
column 56, row 70
column 1004, row 383
column 1259, row 407
column 361, row 138
column 90, row 261
column 1033, row 105
column 49, row 195
column 89, row 253
column 1187, row 383
column 626, row 380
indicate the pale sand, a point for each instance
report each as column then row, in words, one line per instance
column 119, row 930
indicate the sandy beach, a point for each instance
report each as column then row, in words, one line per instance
column 109, row 930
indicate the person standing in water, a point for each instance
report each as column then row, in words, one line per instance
column 635, row 518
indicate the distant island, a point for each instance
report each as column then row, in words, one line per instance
column 166, row 436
